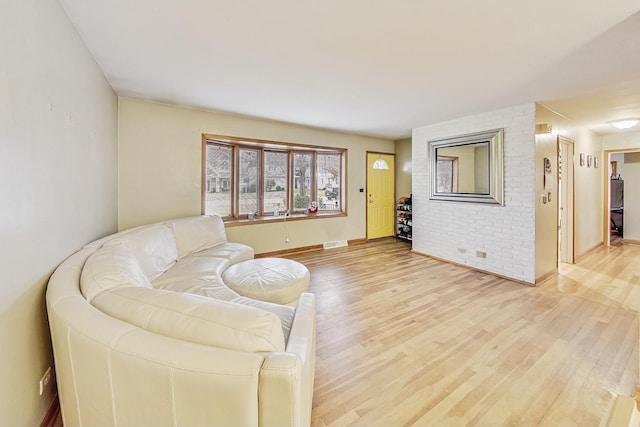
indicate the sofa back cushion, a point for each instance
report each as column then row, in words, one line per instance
column 197, row 233
column 153, row 246
column 194, row 318
column 111, row 267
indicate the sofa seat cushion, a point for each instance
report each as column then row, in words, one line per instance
column 197, row 233
column 194, row 318
column 231, row 251
column 153, row 246
column 284, row 312
column 197, row 275
column 207, row 286
column 108, row 268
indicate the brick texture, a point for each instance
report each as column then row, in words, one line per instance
column 455, row 231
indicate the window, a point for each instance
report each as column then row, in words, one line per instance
column 218, row 179
column 302, row 180
column 329, row 181
column 275, row 181
column 266, row 178
column 248, row 180
column 447, row 168
column 380, row 164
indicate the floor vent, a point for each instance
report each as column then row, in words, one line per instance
column 336, row 244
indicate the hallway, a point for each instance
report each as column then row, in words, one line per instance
column 608, row 274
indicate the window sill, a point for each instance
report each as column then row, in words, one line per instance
column 282, row 218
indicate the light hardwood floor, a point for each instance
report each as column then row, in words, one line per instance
column 407, row 340
column 404, row 339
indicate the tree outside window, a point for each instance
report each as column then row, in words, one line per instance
column 302, row 180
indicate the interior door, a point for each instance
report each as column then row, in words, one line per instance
column 380, row 195
column 565, row 205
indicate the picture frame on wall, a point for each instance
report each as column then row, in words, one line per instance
column 589, row 158
column 581, row 159
column 547, row 175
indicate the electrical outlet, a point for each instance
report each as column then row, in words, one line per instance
column 481, row 254
column 286, row 239
column 45, row 380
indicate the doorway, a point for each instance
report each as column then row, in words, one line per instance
column 607, row 207
column 380, row 195
column 565, row 200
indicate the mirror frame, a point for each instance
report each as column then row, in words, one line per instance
column 495, row 138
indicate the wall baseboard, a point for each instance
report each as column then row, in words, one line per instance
column 546, row 276
column 52, row 413
column 303, row 249
column 469, row 267
column 358, row 241
column 290, row 251
column 583, row 255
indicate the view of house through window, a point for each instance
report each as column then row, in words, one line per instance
column 276, row 167
column 248, row 180
column 329, row 181
column 244, row 177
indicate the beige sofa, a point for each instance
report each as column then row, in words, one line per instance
column 145, row 333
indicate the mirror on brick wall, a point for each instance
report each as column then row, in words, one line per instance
column 467, row 168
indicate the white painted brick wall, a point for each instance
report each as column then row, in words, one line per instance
column 506, row 233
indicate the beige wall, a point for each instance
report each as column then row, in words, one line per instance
column 58, row 153
column 466, row 166
column 481, row 158
column 619, row 159
column 632, row 201
column 546, row 213
column 621, row 141
column 403, row 168
column 588, row 184
column 160, row 171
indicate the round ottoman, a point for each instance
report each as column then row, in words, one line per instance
column 277, row 280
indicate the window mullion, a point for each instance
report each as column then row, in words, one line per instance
column 314, row 176
column 260, row 166
column 235, row 171
column 290, row 181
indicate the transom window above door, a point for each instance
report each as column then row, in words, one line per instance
column 380, row 164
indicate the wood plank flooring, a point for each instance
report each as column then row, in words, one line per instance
column 404, row 340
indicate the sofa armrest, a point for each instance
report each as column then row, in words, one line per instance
column 286, row 379
column 303, row 329
column 113, row 373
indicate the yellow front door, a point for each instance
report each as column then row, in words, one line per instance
column 380, row 195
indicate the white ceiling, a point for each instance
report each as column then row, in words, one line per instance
column 372, row 67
